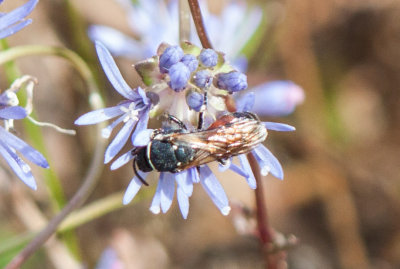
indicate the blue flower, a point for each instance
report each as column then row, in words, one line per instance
column 208, row 58
column 195, row 100
column 133, row 112
column 190, row 61
column 202, row 78
column 179, row 75
column 11, row 144
column 13, row 21
column 171, row 56
column 233, row 81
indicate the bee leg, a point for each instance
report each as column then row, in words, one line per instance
column 201, row 114
column 137, row 174
column 225, row 162
column 176, row 120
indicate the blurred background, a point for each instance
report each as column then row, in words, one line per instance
column 341, row 192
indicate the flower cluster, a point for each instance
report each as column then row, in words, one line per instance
column 189, row 80
column 230, row 32
column 181, row 81
column 201, row 70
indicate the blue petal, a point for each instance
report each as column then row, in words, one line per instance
column 184, row 182
column 193, row 175
column 118, row 43
column 155, row 206
column 214, row 189
column 238, row 170
column 133, row 188
column 100, row 115
column 275, row 126
column 14, row 28
column 142, row 124
column 245, row 102
column 277, row 98
column 20, row 168
column 142, row 138
column 109, row 259
column 122, row 160
column 183, row 202
column 13, row 112
column 113, row 73
column 244, row 162
column 143, row 96
column 106, row 132
column 240, row 63
column 167, row 181
column 119, row 140
column 18, row 144
column 17, row 14
column 268, row 162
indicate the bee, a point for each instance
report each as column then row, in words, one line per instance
column 179, row 149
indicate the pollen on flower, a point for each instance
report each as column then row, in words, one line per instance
column 131, row 112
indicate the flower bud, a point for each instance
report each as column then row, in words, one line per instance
column 190, row 61
column 208, row 58
column 202, row 78
column 233, row 81
column 169, row 57
column 195, row 100
column 179, row 75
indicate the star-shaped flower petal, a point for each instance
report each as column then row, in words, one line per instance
column 133, row 112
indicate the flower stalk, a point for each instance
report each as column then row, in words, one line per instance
column 184, row 21
column 199, row 23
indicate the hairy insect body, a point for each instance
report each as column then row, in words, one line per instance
column 175, row 150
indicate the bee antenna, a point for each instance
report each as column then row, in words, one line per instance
column 137, row 174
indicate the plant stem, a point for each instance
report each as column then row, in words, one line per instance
column 264, row 229
column 184, row 21
column 199, row 23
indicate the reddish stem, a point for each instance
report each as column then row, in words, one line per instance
column 264, row 230
column 199, row 23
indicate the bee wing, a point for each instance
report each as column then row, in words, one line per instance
column 223, row 141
